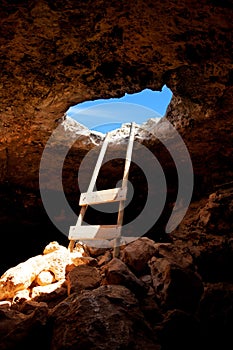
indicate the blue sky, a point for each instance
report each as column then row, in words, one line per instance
column 105, row 115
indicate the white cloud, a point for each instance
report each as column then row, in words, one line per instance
column 113, row 112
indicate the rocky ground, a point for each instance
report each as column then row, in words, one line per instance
column 154, row 296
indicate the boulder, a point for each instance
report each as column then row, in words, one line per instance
column 23, row 275
column 97, row 251
column 178, row 254
column 118, row 273
column 105, row 318
column 176, row 287
column 56, row 262
column 216, row 215
column 138, row 253
column 20, row 277
column 29, row 306
column 83, row 260
column 82, row 277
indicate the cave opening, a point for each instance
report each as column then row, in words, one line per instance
column 104, row 115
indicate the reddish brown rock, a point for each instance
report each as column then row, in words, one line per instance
column 138, row 253
column 151, row 309
column 104, row 259
column 105, row 318
column 176, row 287
column 97, row 251
column 84, row 260
column 82, row 277
column 175, row 254
column 29, row 306
column 216, row 216
column 117, row 272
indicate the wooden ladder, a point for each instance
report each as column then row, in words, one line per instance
column 103, row 232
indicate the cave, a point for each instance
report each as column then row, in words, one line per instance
column 57, row 54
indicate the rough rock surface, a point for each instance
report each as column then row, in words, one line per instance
column 118, row 273
column 82, row 277
column 177, row 288
column 108, row 317
column 137, row 254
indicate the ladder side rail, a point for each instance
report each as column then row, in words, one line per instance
column 124, row 185
column 91, row 185
column 126, row 173
column 98, row 164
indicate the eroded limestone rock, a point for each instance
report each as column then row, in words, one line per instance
column 41, row 269
column 44, row 278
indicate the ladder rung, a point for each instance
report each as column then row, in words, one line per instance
column 103, row 243
column 111, row 195
column 99, row 243
column 94, row 231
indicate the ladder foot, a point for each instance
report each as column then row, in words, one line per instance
column 116, row 250
column 71, row 246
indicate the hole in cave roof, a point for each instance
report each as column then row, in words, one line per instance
column 105, row 115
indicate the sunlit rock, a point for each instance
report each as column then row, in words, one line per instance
column 44, row 278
